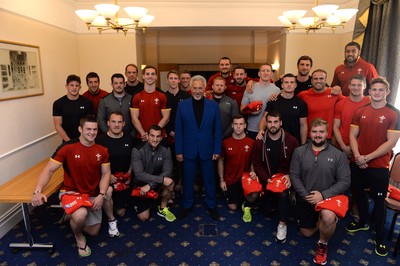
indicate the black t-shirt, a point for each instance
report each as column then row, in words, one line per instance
column 173, row 101
column 71, row 112
column 274, row 153
column 301, row 86
column 119, row 150
column 133, row 90
column 291, row 111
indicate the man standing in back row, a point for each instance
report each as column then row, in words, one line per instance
column 353, row 64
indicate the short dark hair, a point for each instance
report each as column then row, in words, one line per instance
column 240, row 67
column 225, row 58
column 304, row 58
column 288, row 75
column 132, row 65
column 238, row 116
column 149, row 67
column 381, row 80
column 73, row 77
column 359, row 77
column 172, row 72
column 353, row 43
column 185, row 72
column 274, row 113
column 154, row 127
column 87, row 118
column 118, row 76
column 116, row 113
column 92, row 75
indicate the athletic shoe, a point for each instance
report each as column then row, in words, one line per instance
column 356, row 226
column 281, row 233
column 113, row 229
column 169, row 216
column 380, row 249
column 321, row 255
column 246, row 214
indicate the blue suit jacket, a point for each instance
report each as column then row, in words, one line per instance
column 191, row 139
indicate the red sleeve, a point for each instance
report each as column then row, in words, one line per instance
column 135, row 101
column 336, row 81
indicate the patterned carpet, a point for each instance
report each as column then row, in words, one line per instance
column 192, row 241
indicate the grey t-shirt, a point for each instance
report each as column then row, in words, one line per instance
column 260, row 93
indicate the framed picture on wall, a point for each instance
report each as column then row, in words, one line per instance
column 20, row 70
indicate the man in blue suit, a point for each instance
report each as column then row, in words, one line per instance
column 198, row 141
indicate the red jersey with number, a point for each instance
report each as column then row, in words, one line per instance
column 374, row 124
column 82, row 166
column 237, row 158
column 344, row 110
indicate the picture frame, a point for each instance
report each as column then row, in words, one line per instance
column 20, row 71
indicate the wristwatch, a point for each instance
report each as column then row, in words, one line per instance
column 104, row 195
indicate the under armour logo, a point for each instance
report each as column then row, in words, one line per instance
column 82, row 107
column 159, row 158
column 330, row 160
column 294, row 107
column 142, row 101
column 77, row 156
column 230, row 149
column 268, row 149
column 339, row 203
column 363, row 117
column 126, row 145
column 329, row 96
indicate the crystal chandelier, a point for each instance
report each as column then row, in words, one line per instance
column 325, row 17
column 106, row 17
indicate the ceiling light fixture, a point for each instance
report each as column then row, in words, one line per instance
column 106, row 17
column 325, row 17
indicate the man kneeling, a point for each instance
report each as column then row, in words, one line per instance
column 152, row 167
column 318, row 171
column 86, row 174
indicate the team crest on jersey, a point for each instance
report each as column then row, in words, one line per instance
column 359, row 71
column 156, row 101
column 246, row 148
column 98, row 157
column 381, row 118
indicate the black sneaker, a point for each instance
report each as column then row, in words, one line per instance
column 214, row 214
column 185, row 212
column 355, row 227
column 380, row 249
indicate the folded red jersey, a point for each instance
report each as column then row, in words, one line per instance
column 252, row 107
column 277, row 183
column 73, row 201
column 122, row 182
column 394, row 193
column 338, row 204
column 250, row 185
column 151, row 194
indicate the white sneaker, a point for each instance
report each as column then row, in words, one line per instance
column 113, row 229
column 281, row 233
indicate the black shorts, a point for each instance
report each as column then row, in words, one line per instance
column 142, row 204
column 306, row 215
column 234, row 193
column 122, row 199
